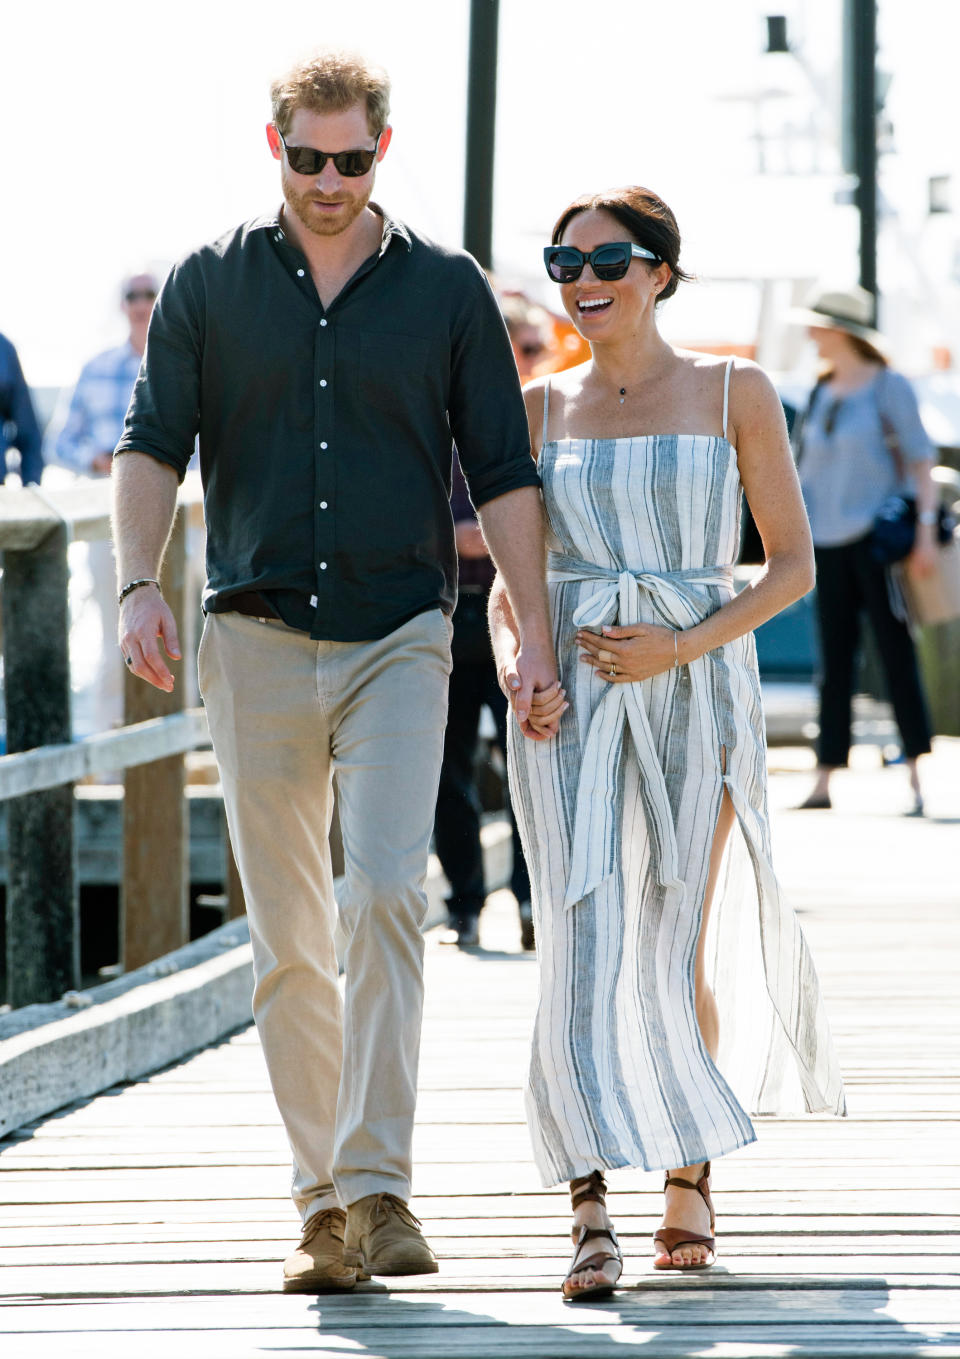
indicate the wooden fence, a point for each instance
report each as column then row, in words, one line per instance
column 37, row 776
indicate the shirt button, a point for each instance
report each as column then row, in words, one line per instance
column 323, row 382
column 323, row 566
column 323, row 323
column 323, row 504
column 299, row 273
column 323, row 445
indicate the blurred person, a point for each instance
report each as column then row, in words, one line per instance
column 18, row 422
column 82, row 436
column 529, row 329
column 860, row 412
column 473, row 685
column 326, row 395
column 653, row 1031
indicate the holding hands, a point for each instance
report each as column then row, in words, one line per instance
column 625, row 655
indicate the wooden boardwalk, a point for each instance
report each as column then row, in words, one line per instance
column 151, row 1220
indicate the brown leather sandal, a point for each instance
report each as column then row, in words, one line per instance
column 591, row 1188
column 672, row 1238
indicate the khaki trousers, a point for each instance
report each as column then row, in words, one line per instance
column 285, row 714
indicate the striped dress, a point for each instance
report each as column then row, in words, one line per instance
column 617, row 816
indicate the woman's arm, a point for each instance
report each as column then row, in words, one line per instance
column 770, row 482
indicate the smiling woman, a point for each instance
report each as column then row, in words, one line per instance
column 670, row 1004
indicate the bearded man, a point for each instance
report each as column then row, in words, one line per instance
column 327, row 356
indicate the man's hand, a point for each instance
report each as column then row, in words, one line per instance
column 146, row 620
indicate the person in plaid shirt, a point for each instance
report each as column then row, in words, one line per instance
column 82, row 437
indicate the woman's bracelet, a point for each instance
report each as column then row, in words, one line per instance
column 132, row 585
column 676, row 650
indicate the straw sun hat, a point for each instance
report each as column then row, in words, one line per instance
column 849, row 309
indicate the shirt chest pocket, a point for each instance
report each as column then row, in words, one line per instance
column 399, row 374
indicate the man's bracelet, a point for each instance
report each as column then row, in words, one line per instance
column 132, row 585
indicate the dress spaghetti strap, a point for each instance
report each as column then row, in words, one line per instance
column 726, row 396
column 546, row 413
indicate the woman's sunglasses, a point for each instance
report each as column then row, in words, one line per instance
column 304, row 160
column 565, row 262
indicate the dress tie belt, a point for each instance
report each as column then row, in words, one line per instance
column 679, row 602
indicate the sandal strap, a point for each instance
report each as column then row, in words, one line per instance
column 673, row 1238
column 590, row 1188
column 701, row 1186
column 599, row 1258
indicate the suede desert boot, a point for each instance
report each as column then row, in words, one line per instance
column 317, row 1265
column 383, row 1237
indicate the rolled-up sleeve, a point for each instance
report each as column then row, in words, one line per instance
column 487, row 416
column 164, row 412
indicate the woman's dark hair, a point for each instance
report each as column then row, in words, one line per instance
column 644, row 215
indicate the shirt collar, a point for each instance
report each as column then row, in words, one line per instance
column 270, row 221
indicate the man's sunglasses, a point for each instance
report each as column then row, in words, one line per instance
column 565, row 262
column 140, row 295
column 304, row 160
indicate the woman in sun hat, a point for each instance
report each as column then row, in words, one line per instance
column 861, row 441
column 673, row 998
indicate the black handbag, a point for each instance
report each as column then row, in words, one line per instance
column 895, row 525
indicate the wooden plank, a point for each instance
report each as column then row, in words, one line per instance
column 52, row 765
column 155, row 895
column 837, row 1237
column 42, row 904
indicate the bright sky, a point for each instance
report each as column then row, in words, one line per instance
column 134, row 131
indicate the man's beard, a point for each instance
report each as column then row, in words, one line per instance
column 322, row 224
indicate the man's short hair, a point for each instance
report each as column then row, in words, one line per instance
column 329, row 82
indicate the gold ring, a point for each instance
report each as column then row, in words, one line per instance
column 613, row 670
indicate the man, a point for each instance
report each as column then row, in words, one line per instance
column 327, row 355
column 473, row 684
column 18, row 423
column 82, row 436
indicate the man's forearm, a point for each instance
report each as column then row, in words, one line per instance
column 144, row 504
column 513, row 528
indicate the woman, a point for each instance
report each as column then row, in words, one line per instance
column 625, row 814
column 861, row 442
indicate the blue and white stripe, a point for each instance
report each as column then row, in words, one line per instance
column 617, row 816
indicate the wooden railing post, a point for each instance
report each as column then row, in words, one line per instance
column 43, row 928
column 155, row 910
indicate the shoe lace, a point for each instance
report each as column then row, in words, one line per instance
column 389, row 1203
column 331, row 1219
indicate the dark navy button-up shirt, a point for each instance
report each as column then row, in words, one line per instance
column 326, row 434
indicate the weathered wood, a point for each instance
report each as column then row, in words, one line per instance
column 28, row 513
column 50, row 766
column 155, row 898
column 837, row 1237
column 43, row 928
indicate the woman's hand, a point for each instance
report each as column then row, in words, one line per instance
column 632, row 653
column 546, row 708
column 922, row 560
